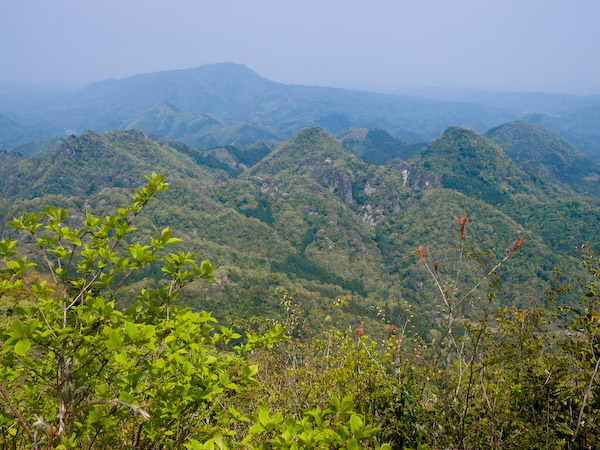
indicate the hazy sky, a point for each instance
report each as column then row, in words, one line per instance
column 524, row 45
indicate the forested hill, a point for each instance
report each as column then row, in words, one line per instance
column 377, row 146
column 86, row 164
column 312, row 217
column 477, row 167
column 545, row 155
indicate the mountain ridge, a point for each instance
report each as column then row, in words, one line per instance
column 545, row 154
column 234, row 95
column 323, row 229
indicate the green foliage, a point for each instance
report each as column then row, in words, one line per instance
column 76, row 372
column 517, row 378
column 336, row 426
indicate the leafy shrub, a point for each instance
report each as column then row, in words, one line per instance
column 76, row 372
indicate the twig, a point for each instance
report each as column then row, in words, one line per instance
column 16, row 412
column 483, row 279
column 37, row 304
column 583, row 402
column 135, row 409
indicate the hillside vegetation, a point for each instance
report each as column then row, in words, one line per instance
column 78, row 369
column 313, row 218
column 545, row 155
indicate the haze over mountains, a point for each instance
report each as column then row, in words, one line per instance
column 229, row 104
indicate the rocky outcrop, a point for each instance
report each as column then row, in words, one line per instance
column 416, row 177
column 337, row 182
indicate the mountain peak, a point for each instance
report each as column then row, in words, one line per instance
column 377, row 146
column 223, row 72
column 226, row 66
column 459, row 132
column 544, row 154
column 474, row 165
column 523, row 140
column 307, row 150
column 466, row 142
column 315, row 132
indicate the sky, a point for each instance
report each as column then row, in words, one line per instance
column 517, row 45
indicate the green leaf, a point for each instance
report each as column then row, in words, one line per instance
column 206, row 268
column 193, row 444
column 22, row 347
column 565, row 430
column 18, row 329
column 115, row 340
column 220, row 441
column 223, row 378
column 353, row 445
column 121, row 358
column 356, row 425
column 263, row 415
column 131, row 330
column 56, row 214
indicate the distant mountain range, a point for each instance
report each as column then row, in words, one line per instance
column 229, row 104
